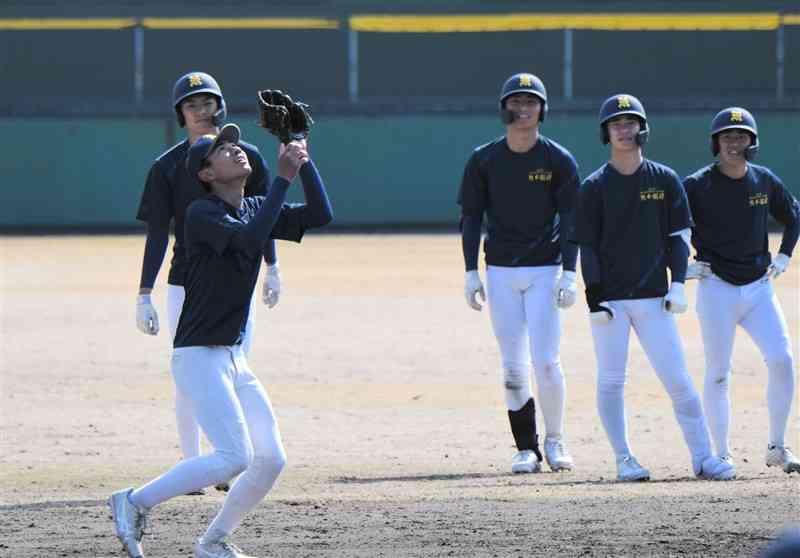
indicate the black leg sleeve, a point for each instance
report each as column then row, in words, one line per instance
column 523, row 427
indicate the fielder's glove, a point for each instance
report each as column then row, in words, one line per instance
column 472, row 287
column 272, row 286
column 698, row 270
column 778, row 265
column 566, row 290
column 146, row 316
column 282, row 116
column 599, row 310
column 675, row 301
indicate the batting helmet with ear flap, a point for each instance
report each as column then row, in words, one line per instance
column 522, row 83
column 192, row 84
column 619, row 105
column 735, row 118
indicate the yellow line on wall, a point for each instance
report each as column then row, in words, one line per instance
column 757, row 21
column 65, row 23
column 240, row 23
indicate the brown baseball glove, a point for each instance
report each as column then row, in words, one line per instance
column 282, row 116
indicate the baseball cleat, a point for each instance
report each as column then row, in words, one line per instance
column 223, row 486
column 557, row 456
column 715, row 468
column 628, row 470
column 218, row 549
column 782, row 456
column 525, row 461
column 129, row 521
column 728, row 458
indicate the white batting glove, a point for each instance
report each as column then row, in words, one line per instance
column 675, row 301
column 272, row 286
column 472, row 287
column 146, row 315
column 605, row 315
column 698, row 270
column 566, row 290
column 779, row 264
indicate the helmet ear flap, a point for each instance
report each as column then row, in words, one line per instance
column 643, row 135
column 222, row 113
column 604, row 137
column 179, row 114
column 751, row 152
column 714, row 145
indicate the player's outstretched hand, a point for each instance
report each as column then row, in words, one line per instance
column 146, row 315
column 472, row 287
column 698, row 270
column 291, row 157
column 566, row 289
column 272, row 286
column 779, row 264
column 675, row 301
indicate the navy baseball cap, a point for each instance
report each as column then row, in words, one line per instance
column 205, row 146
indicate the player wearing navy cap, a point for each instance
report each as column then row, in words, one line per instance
column 633, row 224
column 200, row 108
column 525, row 184
column 731, row 202
column 225, row 237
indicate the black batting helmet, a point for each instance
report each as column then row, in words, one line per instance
column 619, row 105
column 735, row 118
column 522, row 83
column 192, row 84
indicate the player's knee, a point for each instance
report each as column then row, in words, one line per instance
column 718, row 377
column 610, row 381
column 515, row 378
column 683, row 394
column 235, row 464
column 236, row 461
column 781, row 371
column 266, row 468
column 549, row 373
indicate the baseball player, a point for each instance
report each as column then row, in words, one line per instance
column 225, row 237
column 525, row 184
column 633, row 224
column 736, row 272
column 200, row 108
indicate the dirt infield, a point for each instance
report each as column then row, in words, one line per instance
column 388, row 392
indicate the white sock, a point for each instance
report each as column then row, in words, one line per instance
column 689, row 412
column 611, row 407
column 780, row 395
column 717, row 404
column 552, row 387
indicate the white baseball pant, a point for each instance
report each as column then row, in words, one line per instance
column 236, row 416
column 527, row 326
column 658, row 336
column 722, row 306
column 188, row 430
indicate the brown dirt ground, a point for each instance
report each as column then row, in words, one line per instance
column 388, row 392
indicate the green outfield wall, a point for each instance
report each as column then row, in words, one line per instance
column 398, row 170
